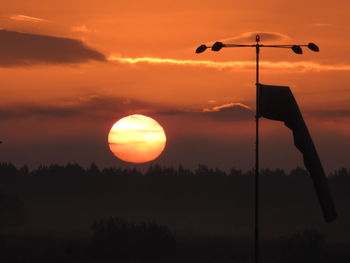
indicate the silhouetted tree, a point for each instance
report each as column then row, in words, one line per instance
column 93, row 170
column 73, row 169
column 340, row 174
column 24, row 170
column 272, row 173
column 154, row 170
column 298, row 172
column 203, row 170
column 235, row 172
column 183, row 171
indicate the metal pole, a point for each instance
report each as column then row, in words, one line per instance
column 296, row 49
column 256, row 239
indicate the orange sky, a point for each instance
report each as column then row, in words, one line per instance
column 60, row 97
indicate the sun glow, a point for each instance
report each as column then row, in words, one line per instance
column 137, row 139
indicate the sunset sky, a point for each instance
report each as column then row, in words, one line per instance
column 70, row 69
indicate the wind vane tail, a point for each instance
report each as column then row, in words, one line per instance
column 278, row 103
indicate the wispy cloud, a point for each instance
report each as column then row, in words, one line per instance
column 227, row 105
column 233, row 111
column 265, row 36
column 302, row 66
column 321, row 24
column 27, row 18
column 80, row 28
column 334, row 114
column 93, row 106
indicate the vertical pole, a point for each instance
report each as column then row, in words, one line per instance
column 256, row 236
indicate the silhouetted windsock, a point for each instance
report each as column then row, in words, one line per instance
column 278, row 103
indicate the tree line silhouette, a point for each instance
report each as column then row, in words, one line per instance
column 214, row 202
column 9, row 172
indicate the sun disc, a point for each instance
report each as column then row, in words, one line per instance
column 136, row 139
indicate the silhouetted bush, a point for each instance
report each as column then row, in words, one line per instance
column 115, row 238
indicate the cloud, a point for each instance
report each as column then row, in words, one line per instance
column 233, row 111
column 24, row 49
column 24, row 18
column 264, row 36
column 300, row 66
column 106, row 108
column 229, row 112
column 331, row 114
column 92, row 106
column 227, row 105
column 80, row 28
column 321, row 24
column 109, row 108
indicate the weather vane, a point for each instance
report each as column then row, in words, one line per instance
column 278, row 103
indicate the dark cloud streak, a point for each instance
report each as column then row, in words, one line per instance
column 331, row 114
column 108, row 107
column 231, row 113
column 25, row 49
column 92, row 106
column 105, row 108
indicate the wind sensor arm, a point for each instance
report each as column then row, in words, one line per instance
column 217, row 46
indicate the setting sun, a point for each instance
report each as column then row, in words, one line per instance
column 136, row 139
